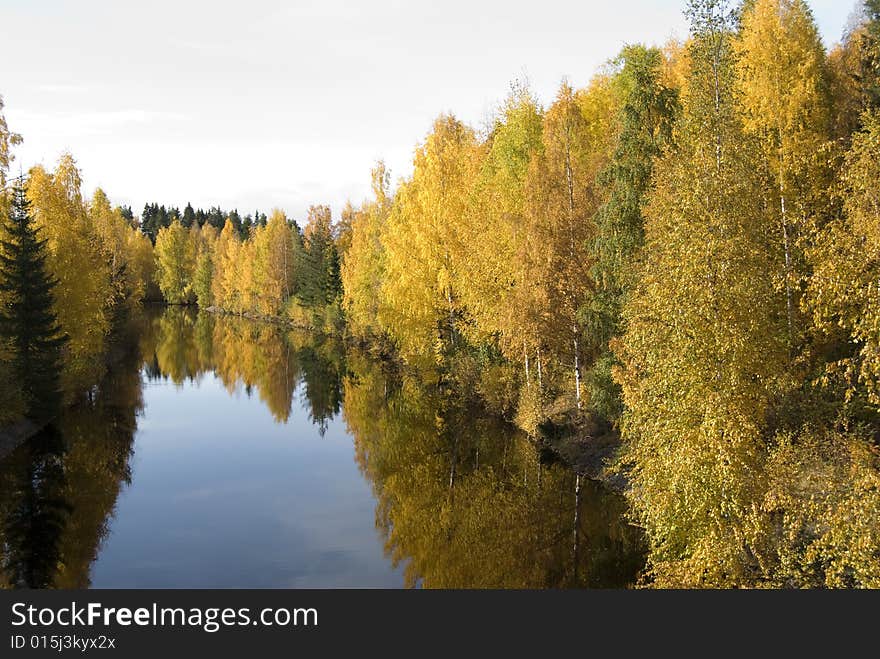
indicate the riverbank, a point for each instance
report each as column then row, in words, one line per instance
column 587, row 445
column 590, row 448
column 276, row 320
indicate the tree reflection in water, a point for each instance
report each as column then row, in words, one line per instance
column 463, row 499
column 58, row 490
column 467, row 501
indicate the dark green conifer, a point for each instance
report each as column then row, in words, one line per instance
column 27, row 320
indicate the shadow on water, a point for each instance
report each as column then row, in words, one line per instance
column 462, row 499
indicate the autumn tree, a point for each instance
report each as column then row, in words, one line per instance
column 868, row 72
column 246, row 278
column 85, row 294
column 783, row 95
column 562, row 199
column 224, row 285
column 706, row 342
column 8, row 139
column 342, row 232
column 175, row 263
column 847, row 98
column 126, row 251
column 420, row 299
column 842, row 292
column 274, row 263
column 203, row 273
column 363, row 268
column 499, row 277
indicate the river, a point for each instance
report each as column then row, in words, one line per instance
column 219, row 452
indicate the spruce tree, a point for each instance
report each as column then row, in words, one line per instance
column 189, row 216
column 27, row 319
column 646, row 117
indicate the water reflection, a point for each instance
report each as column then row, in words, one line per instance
column 58, row 490
column 182, row 345
column 466, row 502
column 460, row 498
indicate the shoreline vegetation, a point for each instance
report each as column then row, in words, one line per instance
column 668, row 277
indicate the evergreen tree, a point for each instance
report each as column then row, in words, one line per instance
column 646, row 117
column 156, row 217
column 246, row 225
column 27, row 320
column 236, row 223
column 189, row 216
column 127, row 214
column 216, row 218
column 147, row 222
column 319, row 282
column 35, row 523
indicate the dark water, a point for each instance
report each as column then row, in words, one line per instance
column 218, row 452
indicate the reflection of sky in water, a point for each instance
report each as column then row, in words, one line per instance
column 223, row 496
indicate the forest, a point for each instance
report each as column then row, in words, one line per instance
column 684, row 255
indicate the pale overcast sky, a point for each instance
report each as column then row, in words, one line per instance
column 264, row 103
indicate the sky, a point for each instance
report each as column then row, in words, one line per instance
column 264, row 103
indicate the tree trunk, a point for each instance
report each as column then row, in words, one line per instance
column 577, row 535
column 540, row 379
column 577, row 370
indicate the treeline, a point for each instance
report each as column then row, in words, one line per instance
column 686, row 249
column 72, row 270
column 276, row 271
column 154, row 218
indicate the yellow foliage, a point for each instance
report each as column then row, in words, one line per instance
column 844, row 287
column 423, row 243
column 225, row 280
column 363, row 268
column 273, row 264
column 85, row 293
column 175, row 263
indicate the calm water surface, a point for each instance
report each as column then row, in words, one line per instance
column 224, row 453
